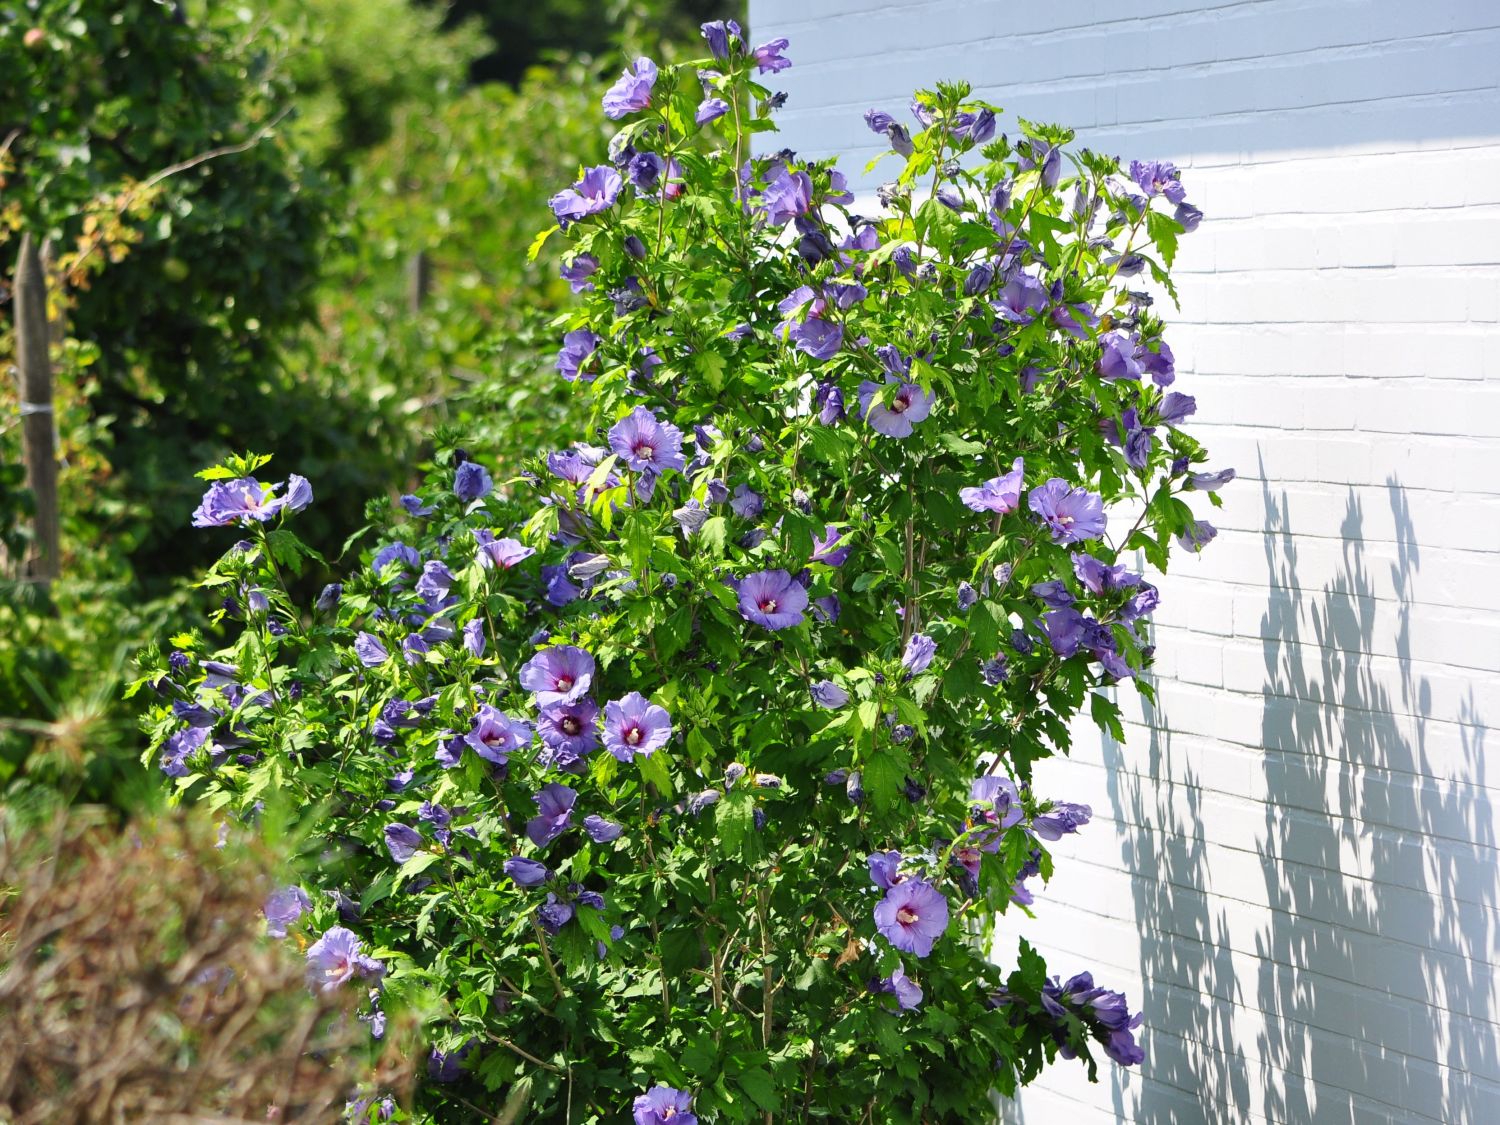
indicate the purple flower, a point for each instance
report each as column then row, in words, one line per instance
column 1176, row 406
column 690, row 518
column 634, row 725
column 402, row 841
column 767, row 56
column 1061, row 819
column 710, row 109
column 771, row 598
column 645, row 444
column 982, row 128
column 558, row 675
column 1161, row 364
column 283, row 907
column 554, row 813
column 996, row 801
column 1071, row 514
column 553, row 914
column 1188, row 215
column 719, row 34
column 299, row 493
column 1064, row 628
column 826, row 549
column 1158, row 178
column 1119, row 357
column 435, row 581
column 632, row 91
column 601, row 831
column 1122, row 1047
column 370, row 651
column 885, row 869
column 596, row 192
column 1210, row 482
column 1099, row 578
column 644, row 170
column 746, row 502
column 471, row 481
column 787, row 196
column 336, row 958
column 878, row 120
column 662, row 1105
column 245, row 499
column 180, row 747
column 569, row 728
column 574, row 465
column 920, row 649
column 912, row 916
column 502, row 553
column 1001, row 494
column 1141, row 603
column 577, row 271
column 909, row 405
column 398, row 553
column 815, row 337
column 907, row 992
column 995, row 671
column 1020, row 299
column 526, row 872
column 826, row 693
column 826, row 608
column 702, row 800
column 968, row 597
column 494, row 735
column 578, row 346
column 1199, row 535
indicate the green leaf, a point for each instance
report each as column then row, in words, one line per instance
column 600, row 474
column 1106, row 715
column 936, row 225
column 761, row 1087
column 885, row 775
column 654, row 769
column 1163, row 230
column 539, row 241
column 674, row 633
column 713, row 535
column 416, row 865
column 735, row 818
column 961, row 446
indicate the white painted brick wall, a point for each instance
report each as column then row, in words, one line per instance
column 1294, row 863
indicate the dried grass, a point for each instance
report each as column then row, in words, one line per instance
column 136, row 985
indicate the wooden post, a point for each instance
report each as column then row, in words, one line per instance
column 419, row 281
column 34, row 366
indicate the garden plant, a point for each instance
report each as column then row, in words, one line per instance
column 686, row 775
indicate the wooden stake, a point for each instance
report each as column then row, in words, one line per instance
column 34, row 366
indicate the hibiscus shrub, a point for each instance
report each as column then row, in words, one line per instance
column 688, row 774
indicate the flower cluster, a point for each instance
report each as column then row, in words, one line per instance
column 859, row 523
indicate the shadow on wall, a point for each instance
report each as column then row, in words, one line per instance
column 1383, row 987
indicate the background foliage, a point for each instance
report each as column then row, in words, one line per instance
column 260, row 298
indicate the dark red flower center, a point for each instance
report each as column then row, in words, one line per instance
column 767, row 605
column 564, row 683
column 906, row 916
column 571, row 725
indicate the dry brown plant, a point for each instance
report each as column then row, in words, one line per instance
column 136, row 985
